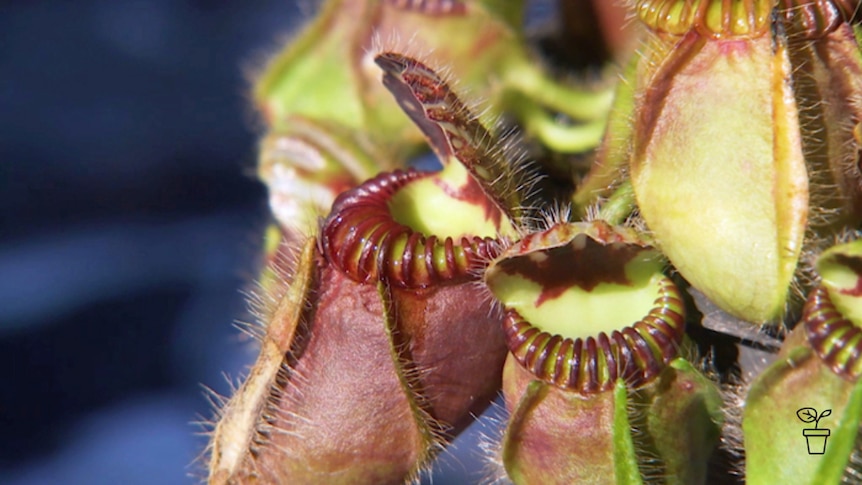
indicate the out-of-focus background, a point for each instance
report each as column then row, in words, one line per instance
column 130, row 223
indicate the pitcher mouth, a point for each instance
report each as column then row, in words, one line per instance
column 363, row 238
column 587, row 305
column 636, row 354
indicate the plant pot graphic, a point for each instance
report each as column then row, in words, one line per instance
column 816, row 439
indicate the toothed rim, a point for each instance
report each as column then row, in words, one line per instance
column 678, row 18
column 816, row 18
column 835, row 339
column 362, row 239
column 430, row 7
column 637, row 354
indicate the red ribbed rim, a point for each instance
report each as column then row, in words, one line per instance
column 810, row 19
column 659, row 15
column 361, row 238
column 637, row 354
column 835, row 339
column 430, row 7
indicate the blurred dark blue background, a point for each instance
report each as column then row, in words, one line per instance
column 131, row 221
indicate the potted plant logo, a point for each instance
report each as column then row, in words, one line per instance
column 815, row 437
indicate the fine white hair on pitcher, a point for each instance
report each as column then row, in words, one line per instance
column 492, row 427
